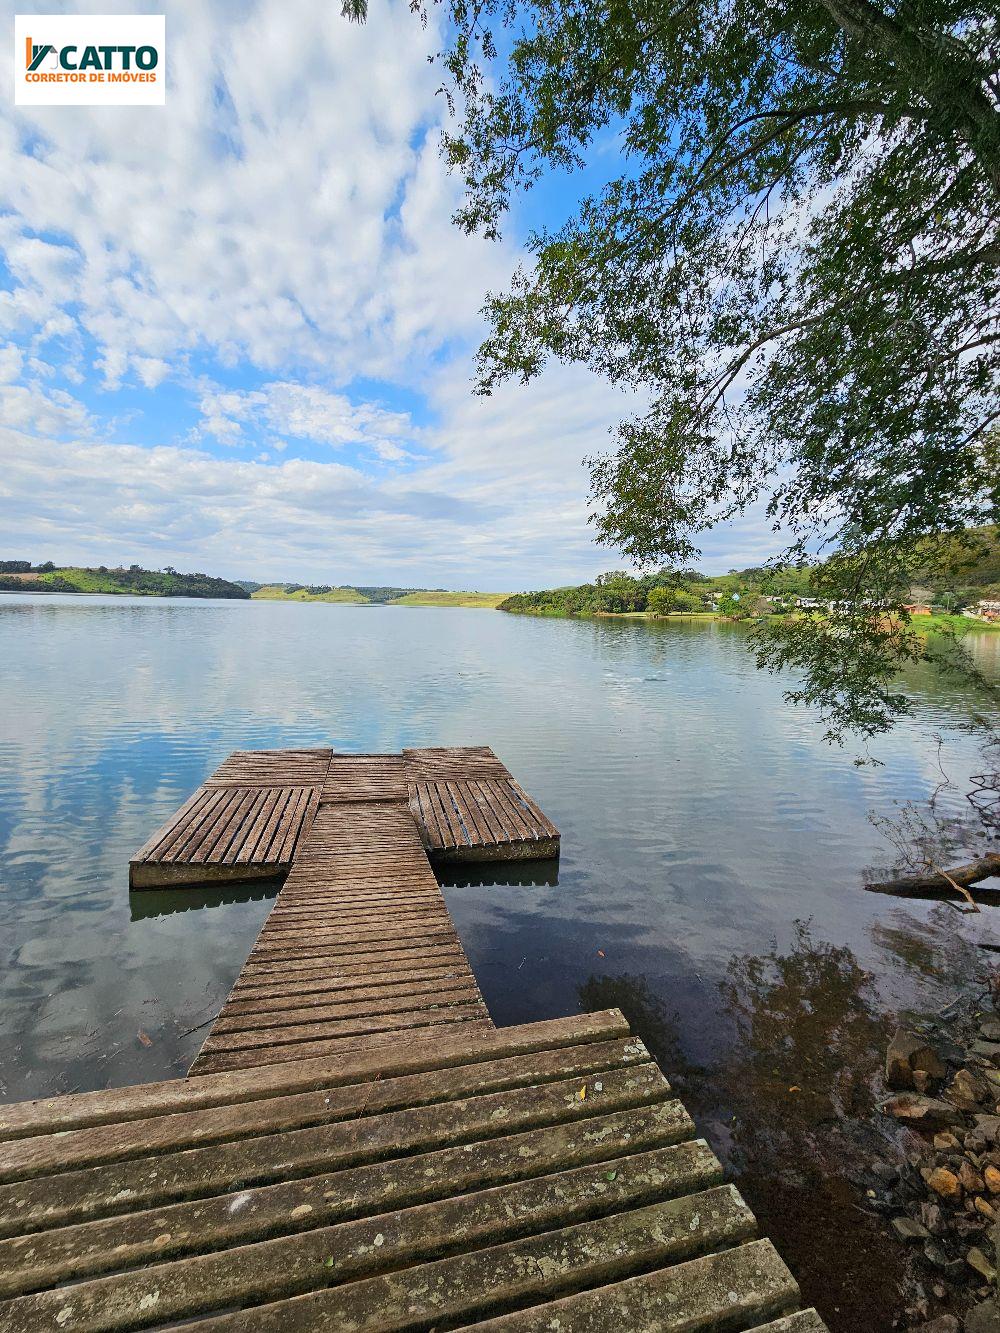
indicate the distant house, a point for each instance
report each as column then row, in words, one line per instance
column 987, row 609
column 917, row 609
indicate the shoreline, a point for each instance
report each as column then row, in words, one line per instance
column 917, row 623
column 412, row 601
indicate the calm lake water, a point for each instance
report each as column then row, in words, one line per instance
column 714, row 850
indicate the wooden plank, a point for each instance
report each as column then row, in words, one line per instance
column 355, row 962
column 366, row 777
column 294, row 912
column 242, row 827
column 378, row 1005
column 189, row 831
column 272, row 768
column 544, row 824
column 373, row 999
column 217, row 1062
column 39, row 1204
column 731, row 1290
column 534, row 1268
column 55, row 1115
column 444, row 763
column 284, row 841
column 229, row 822
column 349, row 926
column 318, row 982
column 219, row 833
column 364, row 937
column 357, row 929
column 805, row 1321
column 519, row 817
column 288, row 1265
column 479, row 794
column 307, row 815
column 492, row 793
column 463, row 835
column 273, row 833
column 274, row 800
column 340, row 950
column 316, row 992
column 266, row 1037
column 449, row 836
column 197, row 797
column 426, row 815
column 295, row 916
column 328, row 1102
column 226, row 1220
column 468, row 808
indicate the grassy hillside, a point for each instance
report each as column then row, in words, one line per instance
column 976, row 567
column 380, row 596
column 134, row 581
column 485, row 600
column 282, row 592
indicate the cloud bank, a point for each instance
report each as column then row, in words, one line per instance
column 236, row 331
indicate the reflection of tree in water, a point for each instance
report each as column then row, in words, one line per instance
column 789, row 1108
column 807, row 1019
column 648, row 1018
column 799, row 1083
column 931, row 948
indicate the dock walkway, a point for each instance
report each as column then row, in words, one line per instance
column 357, row 1147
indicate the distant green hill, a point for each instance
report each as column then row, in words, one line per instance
column 22, row 576
column 371, row 596
column 483, row 600
column 293, row 592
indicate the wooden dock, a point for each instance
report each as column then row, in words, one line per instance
column 356, row 1146
column 249, row 818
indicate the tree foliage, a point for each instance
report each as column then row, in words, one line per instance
column 797, row 264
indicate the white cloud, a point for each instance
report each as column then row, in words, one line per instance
column 304, row 412
column 11, row 361
column 285, row 216
column 238, row 517
column 52, row 412
column 287, row 204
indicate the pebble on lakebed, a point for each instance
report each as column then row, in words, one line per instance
column 945, row 1196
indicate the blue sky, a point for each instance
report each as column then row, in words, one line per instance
column 236, row 331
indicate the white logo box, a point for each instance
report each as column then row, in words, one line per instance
column 95, row 60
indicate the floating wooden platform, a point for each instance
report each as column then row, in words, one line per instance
column 249, row 818
column 357, row 1147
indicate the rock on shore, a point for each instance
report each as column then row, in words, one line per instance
column 945, row 1197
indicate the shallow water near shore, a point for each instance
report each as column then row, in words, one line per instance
column 714, row 850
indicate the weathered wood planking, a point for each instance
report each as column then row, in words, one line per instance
column 542, row 1177
column 366, row 777
column 249, row 818
column 442, row 763
column 278, row 768
column 361, row 889
column 227, row 833
column 484, row 819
